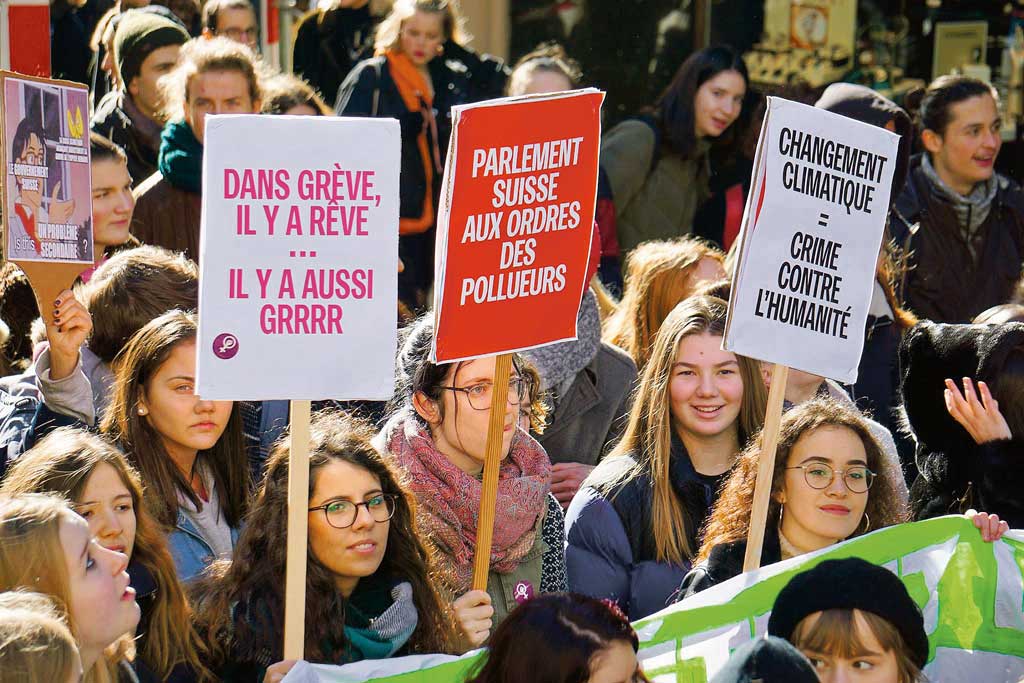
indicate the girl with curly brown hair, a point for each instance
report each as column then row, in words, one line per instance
column 369, row 579
column 831, row 482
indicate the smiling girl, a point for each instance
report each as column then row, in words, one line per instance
column 107, row 492
column 658, row 164
column 633, row 528
column 369, row 578
column 47, row 548
column 965, row 256
column 189, row 451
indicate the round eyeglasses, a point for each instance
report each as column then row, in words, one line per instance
column 818, row 475
column 341, row 514
column 479, row 395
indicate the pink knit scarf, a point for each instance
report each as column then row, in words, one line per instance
column 449, row 499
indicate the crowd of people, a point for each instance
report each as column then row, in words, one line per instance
column 142, row 527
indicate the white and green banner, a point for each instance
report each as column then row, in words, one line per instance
column 970, row 592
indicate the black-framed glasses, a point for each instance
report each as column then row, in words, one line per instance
column 818, row 475
column 479, row 395
column 341, row 514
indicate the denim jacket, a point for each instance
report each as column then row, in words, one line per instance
column 191, row 553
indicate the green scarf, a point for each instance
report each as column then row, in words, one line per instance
column 380, row 617
column 181, row 157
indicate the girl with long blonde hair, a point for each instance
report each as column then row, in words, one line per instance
column 47, row 548
column 35, row 643
column 107, row 492
column 633, row 528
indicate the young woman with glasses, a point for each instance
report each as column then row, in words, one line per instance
column 831, row 482
column 369, row 578
column 438, row 435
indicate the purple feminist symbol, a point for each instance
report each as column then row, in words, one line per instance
column 522, row 592
column 225, row 346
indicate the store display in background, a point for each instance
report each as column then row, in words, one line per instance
column 959, row 46
column 810, row 40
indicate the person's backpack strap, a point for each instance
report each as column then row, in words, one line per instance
column 652, row 123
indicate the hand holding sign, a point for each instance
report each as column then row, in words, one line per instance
column 473, row 614
column 70, row 327
column 512, row 259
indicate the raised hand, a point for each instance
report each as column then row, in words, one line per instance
column 69, row 328
column 979, row 416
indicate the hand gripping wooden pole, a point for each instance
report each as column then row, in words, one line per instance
column 765, row 468
column 298, row 505
column 492, row 463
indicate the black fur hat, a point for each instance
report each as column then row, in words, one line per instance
column 931, row 353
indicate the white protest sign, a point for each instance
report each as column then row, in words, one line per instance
column 299, row 254
column 812, row 232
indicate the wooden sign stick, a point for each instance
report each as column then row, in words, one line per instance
column 298, row 515
column 765, row 468
column 492, row 463
column 48, row 279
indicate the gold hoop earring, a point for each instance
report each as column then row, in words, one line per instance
column 782, row 507
column 867, row 522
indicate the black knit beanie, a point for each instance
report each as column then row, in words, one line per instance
column 851, row 583
column 137, row 35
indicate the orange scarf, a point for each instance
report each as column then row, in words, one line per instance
column 412, row 86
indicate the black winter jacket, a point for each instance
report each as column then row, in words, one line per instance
column 112, row 121
column 726, row 561
column 458, row 77
column 955, row 472
column 611, row 551
column 329, row 43
column 943, row 283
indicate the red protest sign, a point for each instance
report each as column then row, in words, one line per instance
column 515, row 223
